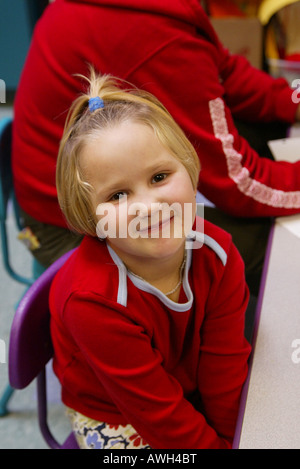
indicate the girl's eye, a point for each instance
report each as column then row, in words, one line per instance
column 159, row 177
column 118, row 196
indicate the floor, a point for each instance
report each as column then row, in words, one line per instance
column 19, row 428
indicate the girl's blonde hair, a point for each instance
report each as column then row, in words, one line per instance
column 74, row 191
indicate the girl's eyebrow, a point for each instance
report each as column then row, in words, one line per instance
column 159, row 166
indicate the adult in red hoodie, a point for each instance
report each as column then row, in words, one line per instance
column 170, row 49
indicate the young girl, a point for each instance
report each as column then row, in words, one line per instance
column 147, row 314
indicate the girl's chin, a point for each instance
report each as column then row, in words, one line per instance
column 147, row 248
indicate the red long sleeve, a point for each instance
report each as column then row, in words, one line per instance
column 174, row 375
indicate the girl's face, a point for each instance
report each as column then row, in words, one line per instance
column 143, row 196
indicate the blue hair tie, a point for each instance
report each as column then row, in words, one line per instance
column 95, row 103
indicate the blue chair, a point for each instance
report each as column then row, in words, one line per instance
column 30, row 347
column 8, row 202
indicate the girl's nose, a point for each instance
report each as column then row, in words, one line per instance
column 144, row 205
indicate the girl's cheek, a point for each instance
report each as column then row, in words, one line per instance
column 122, row 222
column 106, row 214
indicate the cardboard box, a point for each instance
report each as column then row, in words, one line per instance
column 243, row 36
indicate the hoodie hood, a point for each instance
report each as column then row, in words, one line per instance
column 189, row 11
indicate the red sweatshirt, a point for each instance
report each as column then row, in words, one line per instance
column 125, row 353
column 170, row 49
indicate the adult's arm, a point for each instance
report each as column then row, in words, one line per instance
column 252, row 94
column 233, row 176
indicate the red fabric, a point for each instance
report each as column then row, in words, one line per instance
column 170, row 49
column 147, row 364
column 293, row 57
column 224, row 8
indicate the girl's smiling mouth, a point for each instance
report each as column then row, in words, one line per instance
column 156, row 227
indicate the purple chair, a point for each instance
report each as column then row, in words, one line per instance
column 7, row 201
column 30, row 347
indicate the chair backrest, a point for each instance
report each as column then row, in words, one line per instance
column 7, row 195
column 6, row 182
column 30, row 346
